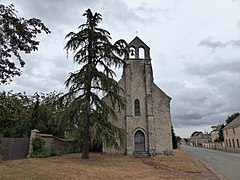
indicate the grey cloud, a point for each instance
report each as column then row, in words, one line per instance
column 166, row 13
column 234, row 42
column 54, row 11
column 61, row 69
column 238, row 23
column 228, row 86
column 43, row 76
column 196, row 103
column 221, row 76
column 208, row 42
column 230, row 65
column 212, row 44
column 206, row 121
column 170, row 85
column 122, row 15
column 57, row 13
column 192, row 105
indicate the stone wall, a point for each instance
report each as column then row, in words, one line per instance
column 61, row 146
column 162, row 122
column 214, row 145
column 65, row 146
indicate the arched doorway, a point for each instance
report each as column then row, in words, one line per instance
column 139, row 141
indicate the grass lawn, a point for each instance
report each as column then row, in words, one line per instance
column 71, row 166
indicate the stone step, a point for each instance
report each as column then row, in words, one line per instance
column 141, row 154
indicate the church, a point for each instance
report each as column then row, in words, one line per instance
column 146, row 116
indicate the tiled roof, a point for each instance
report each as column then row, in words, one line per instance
column 234, row 123
column 201, row 135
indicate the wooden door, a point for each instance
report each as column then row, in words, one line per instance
column 139, row 141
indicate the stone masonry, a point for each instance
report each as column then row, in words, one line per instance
column 146, row 116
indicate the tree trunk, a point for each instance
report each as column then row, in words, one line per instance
column 86, row 140
column 86, row 135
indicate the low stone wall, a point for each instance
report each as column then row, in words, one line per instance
column 65, row 146
column 61, row 146
column 215, row 145
column 18, row 148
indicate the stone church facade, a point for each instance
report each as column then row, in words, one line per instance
column 146, row 116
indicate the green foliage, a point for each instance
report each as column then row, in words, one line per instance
column 104, row 131
column 44, row 153
column 178, row 138
column 220, row 134
column 38, row 149
column 37, row 144
column 195, row 132
column 85, row 109
column 19, row 114
column 16, row 35
column 45, row 113
column 232, row 117
column 174, row 139
column 14, row 114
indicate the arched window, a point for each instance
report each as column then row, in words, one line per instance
column 141, row 53
column 132, row 53
column 137, row 107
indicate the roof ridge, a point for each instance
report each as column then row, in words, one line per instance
column 234, row 123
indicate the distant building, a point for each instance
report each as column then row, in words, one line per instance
column 199, row 138
column 146, row 117
column 185, row 141
column 215, row 132
column 231, row 135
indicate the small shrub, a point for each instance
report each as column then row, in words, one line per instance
column 39, row 151
column 38, row 144
column 44, row 153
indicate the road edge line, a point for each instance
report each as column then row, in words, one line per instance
column 208, row 166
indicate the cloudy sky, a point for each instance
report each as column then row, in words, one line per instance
column 195, row 51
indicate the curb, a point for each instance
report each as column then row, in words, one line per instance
column 208, row 166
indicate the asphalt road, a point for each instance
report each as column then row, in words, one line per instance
column 224, row 163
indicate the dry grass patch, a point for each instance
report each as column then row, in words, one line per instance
column 180, row 161
column 98, row 167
